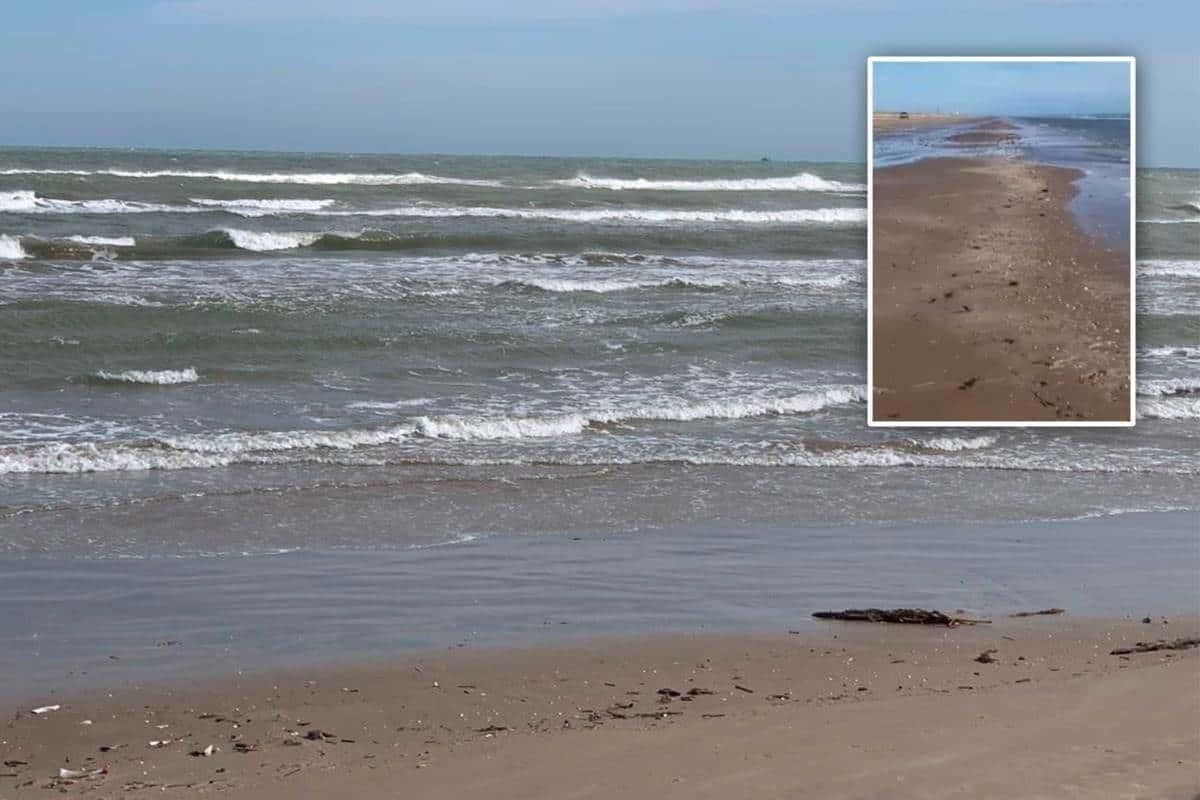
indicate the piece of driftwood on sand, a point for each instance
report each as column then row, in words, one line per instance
column 1182, row 643
column 903, row 616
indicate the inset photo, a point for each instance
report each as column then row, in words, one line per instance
column 1000, row 244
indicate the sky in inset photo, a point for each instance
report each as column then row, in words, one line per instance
column 1014, row 88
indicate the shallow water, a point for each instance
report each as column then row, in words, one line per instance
column 416, row 381
column 425, row 319
column 66, row 620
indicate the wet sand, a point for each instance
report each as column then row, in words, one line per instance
column 848, row 710
column 885, row 122
column 992, row 132
column 990, row 302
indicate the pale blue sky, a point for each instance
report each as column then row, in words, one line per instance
column 686, row 78
column 1014, row 88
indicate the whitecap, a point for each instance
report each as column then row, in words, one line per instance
column 261, row 241
column 804, row 182
column 10, row 248
column 161, row 377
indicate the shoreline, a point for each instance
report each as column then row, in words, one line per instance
column 535, row 721
column 990, row 301
column 73, row 625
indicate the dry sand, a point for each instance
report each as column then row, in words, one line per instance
column 990, row 302
column 859, row 710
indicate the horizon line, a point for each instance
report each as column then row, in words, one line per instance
column 415, row 154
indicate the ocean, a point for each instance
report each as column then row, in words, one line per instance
column 298, row 350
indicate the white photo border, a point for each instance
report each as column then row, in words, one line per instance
column 1132, row 420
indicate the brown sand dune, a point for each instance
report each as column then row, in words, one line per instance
column 860, row 710
column 990, row 303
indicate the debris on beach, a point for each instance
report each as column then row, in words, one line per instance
column 46, row 709
column 1182, row 643
column 206, row 752
column 904, row 616
column 1043, row 613
column 987, row 656
column 75, row 774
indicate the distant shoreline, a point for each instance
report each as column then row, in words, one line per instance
column 886, row 122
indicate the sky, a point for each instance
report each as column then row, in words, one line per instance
column 654, row 78
column 1013, row 88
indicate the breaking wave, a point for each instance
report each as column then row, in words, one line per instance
column 10, row 248
column 1169, row 387
column 953, row 444
column 304, row 178
column 105, row 241
column 27, row 202
column 263, row 208
column 161, row 377
column 804, row 182
column 1182, row 351
column 263, row 241
column 211, row 450
column 1169, row 408
column 650, row 216
column 1169, row 269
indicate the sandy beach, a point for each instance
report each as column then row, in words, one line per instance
column 1024, row 707
column 990, row 302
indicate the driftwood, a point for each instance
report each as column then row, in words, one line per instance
column 1043, row 613
column 1183, row 643
column 907, row 616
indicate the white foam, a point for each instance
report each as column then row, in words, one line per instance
column 27, row 202
column 105, row 241
column 477, row 427
column 1169, row 408
column 1181, row 351
column 1169, row 268
column 1170, row 221
column 952, row 444
column 650, row 216
column 263, row 208
column 1166, row 387
column 456, row 427
column 261, row 241
column 93, row 457
column 804, row 182
column 10, row 249
column 305, row 178
column 616, row 285
column 380, row 405
column 22, row 200
column 161, row 377
column 239, row 444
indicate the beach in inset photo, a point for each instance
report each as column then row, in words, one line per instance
column 1001, row 243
